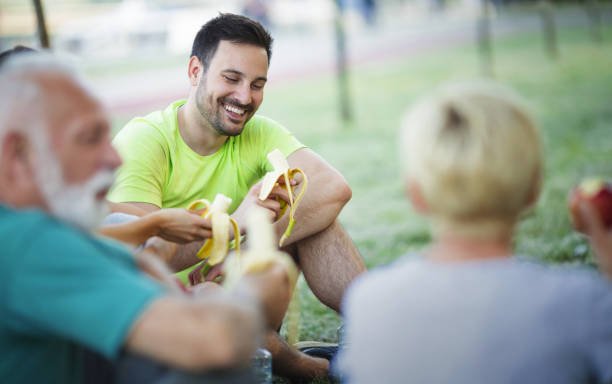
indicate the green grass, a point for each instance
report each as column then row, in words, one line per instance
column 571, row 99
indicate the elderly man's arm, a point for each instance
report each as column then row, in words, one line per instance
column 196, row 334
column 215, row 330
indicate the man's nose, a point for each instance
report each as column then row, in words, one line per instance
column 111, row 158
column 243, row 95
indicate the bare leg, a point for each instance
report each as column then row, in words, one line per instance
column 329, row 261
column 291, row 363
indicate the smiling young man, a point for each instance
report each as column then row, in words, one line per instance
column 213, row 142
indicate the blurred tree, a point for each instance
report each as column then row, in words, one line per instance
column 549, row 29
column 41, row 24
column 594, row 13
column 483, row 36
column 344, row 94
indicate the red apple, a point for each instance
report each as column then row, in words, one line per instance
column 596, row 192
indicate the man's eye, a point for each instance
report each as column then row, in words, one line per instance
column 257, row 86
column 92, row 136
column 231, row 79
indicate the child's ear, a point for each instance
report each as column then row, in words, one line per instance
column 534, row 192
column 415, row 195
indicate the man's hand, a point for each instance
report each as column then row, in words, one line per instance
column 182, row 226
column 195, row 276
column 271, row 204
column 599, row 237
column 272, row 289
column 163, row 249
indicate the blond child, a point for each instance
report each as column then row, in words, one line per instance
column 467, row 310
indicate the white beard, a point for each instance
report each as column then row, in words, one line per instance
column 75, row 204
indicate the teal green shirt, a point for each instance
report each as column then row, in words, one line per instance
column 61, row 289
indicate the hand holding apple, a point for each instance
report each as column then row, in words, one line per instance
column 600, row 236
column 597, row 193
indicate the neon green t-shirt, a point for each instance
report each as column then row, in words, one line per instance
column 159, row 167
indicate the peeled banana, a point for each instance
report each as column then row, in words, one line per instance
column 216, row 247
column 270, row 180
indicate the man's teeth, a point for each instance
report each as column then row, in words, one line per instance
column 233, row 109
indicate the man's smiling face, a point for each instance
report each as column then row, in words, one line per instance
column 231, row 90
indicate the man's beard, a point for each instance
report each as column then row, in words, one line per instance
column 213, row 115
column 76, row 204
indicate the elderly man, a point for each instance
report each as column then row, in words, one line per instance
column 214, row 143
column 63, row 289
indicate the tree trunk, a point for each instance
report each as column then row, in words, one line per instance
column 41, row 24
column 485, row 43
column 549, row 29
column 344, row 94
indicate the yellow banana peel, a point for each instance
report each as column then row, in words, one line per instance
column 216, row 248
column 270, row 180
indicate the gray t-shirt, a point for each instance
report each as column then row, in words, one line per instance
column 502, row 321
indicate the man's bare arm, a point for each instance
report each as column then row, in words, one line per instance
column 215, row 330
column 325, row 197
column 196, row 335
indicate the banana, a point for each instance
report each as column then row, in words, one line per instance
column 260, row 254
column 216, row 248
column 270, row 180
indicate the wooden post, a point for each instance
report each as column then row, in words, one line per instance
column 594, row 14
column 549, row 29
column 483, row 37
column 41, row 24
column 342, row 71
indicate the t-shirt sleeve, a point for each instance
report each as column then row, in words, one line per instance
column 69, row 286
column 268, row 135
column 145, row 155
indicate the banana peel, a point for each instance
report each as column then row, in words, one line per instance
column 216, row 248
column 271, row 179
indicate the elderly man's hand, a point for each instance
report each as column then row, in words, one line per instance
column 271, row 287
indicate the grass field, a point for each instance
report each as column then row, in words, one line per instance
column 571, row 99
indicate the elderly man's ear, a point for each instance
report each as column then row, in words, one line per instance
column 16, row 166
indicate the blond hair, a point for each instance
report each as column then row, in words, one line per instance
column 474, row 152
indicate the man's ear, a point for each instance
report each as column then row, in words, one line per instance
column 194, row 71
column 415, row 195
column 17, row 170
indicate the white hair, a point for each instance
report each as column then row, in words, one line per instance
column 22, row 97
column 25, row 104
